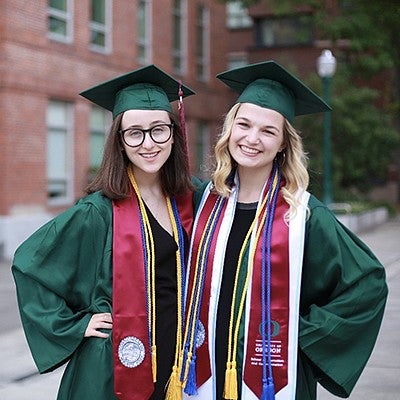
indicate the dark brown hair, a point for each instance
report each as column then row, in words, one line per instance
column 112, row 178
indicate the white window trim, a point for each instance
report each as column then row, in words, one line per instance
column 205, row 60
column 148, row 40
column 70, row 139
column 237, row 59
column 68, row 16
column 183, row 46
column 106, row 29
column 204, row 135
column 102, row 131
column 237, row 16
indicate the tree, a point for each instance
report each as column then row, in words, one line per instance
column 365, row 136
column 362, row 141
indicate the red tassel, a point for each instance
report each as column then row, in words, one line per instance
column 183, row 122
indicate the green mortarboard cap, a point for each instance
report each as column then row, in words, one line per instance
column 147, row 88
column 269, row 85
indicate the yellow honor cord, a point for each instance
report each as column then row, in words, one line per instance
column 151, row 292
column 230, row 387
column 150, row 269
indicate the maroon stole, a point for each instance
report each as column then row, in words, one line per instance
column 279, row 299
column 132, row 360
column 203, row 358
column 279, row 308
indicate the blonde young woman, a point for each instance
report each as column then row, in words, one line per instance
column 280, row 294
column 100, row 287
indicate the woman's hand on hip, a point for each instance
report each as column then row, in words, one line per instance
column 97, row 322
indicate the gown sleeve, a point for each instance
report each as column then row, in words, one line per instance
column 55, row 274
column 343, row 298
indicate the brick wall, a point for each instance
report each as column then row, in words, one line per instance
column 35, row 69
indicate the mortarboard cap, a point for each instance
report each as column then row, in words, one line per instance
column 269, row 85
column 147, row 88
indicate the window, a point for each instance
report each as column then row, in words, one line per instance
column 144, row 31
column 202, row 149
column 284, row 31
column 237, row 16
column 100, row 120
column 203, row 39
column 100, row 25
column 60, row 20
column 236, row 60
column 179, row 38
column 59, row 152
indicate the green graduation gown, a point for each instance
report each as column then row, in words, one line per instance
column 343, row 296
column 63, row 275
column 342, row 300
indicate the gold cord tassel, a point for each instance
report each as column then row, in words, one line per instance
column 231, row 389
column 174, row 386
column 154, row 362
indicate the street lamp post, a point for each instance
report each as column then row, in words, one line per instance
column 326, row 67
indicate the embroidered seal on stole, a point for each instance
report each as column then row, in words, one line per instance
column 131, row 351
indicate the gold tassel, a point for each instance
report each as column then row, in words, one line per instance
column 227, row 379
column 154, row 362
column 174, row 386
column 231, row 389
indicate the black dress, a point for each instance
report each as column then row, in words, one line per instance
column 166, row 304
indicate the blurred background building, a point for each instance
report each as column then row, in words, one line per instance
column 51, row 139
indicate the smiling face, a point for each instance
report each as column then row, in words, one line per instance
column 149, row 157
column 256, row 138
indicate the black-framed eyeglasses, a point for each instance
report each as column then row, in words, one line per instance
column 134, row 137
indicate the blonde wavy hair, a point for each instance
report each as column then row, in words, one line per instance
column 292, row 161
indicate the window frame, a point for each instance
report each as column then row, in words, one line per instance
column 97, row 132
column 105, row 29
column 237, row 60
column 144, row 42
column 203, row 51
column 292, row 20
column 180, row 53
column 237, row 16
column 68, row 132
column 67, row 16
column 202, row 148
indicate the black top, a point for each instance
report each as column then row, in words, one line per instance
column 166, row 303
column 244, row 216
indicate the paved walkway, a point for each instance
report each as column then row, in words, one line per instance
column 380, row 380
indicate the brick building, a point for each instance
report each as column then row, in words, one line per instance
column 51, row 138
column 50, row 50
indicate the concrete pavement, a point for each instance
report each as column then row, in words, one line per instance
column 380, row 380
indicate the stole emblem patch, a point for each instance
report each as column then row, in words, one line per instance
column 131, row 351
column 201, row 334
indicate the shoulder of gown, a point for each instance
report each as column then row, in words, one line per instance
column 55, row 271
column 343, row 298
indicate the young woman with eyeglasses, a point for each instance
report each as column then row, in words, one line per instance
column 115, row 262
